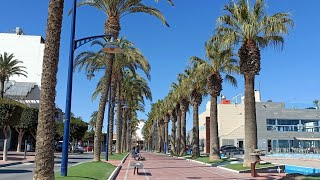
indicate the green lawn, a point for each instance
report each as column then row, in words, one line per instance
column 115, row 156
column 89, row 170
column 239, row 167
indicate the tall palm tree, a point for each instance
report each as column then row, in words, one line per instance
column 253, row 29
column 9, row 66
column 183, row 96
column 219, row 62
column 131, row 58
column 115, row 10
column 44, row 159
column 196, row 89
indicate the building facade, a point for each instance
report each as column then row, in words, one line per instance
column 26, row 48
column 279, row 129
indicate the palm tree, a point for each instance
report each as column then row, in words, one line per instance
column 44, row 159
column 115, row 10
column 131, row 58
column 196, row 85
column 183, row 97
column 93, row 120
column 219, row 61
column 316, row 103
column 9, row 66
column 254, row 29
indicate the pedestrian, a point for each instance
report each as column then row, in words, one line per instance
column 133, row 153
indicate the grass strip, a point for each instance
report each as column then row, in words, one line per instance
column 89, row 170
column 239, row 167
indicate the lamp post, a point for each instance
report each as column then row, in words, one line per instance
column 74, row 44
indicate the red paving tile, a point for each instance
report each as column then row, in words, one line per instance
column 163, row 167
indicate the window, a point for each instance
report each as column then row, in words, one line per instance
column 294, row 125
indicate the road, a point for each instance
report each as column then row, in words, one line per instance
column 25, row 171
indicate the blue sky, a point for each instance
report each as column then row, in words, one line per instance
column 289, row 76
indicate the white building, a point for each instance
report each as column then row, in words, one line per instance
column 139, row 136
column 26, row 48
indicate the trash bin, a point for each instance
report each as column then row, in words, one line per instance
column 29, row 147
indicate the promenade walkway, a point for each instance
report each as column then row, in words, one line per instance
column 162, row 167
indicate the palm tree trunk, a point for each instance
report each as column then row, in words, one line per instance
column 2, row 88
column 214, row 136
column 111, row 115
column 101, row 111
column 250, row 120
column 178, row 131
column 159, row 136
column 183, row 131
column 124, row 133
column 166, row 136
column 44, row 159
column 119, row 120
column 195, row 132
column 173, row 135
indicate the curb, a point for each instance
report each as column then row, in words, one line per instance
column 227, row 169
column 207, row 164
column 115, row 172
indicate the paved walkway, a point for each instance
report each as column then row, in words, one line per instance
column 314, row 163
column 163, row 167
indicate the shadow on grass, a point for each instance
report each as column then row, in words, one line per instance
column 69, row 162
column 82, row 177
column 13, row 171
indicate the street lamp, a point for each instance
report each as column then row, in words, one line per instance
column 74, row 44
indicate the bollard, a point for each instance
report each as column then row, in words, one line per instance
column 5, row 150
column 25, row 149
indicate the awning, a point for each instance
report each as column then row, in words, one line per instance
column 307, row 139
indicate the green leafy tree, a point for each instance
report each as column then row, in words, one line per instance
column 10, row 113
column 78, row 129
column 219, row 62
column 28, row 122
column 9, row 66
column 252, row 29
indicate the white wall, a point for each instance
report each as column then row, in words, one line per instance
column 28, row 49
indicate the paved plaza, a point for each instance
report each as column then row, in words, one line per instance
column 163, row 167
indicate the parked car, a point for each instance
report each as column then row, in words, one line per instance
column 58, row 146
column 88, row 148
column 78, row 149
column 231, row 150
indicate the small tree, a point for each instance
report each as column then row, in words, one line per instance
column 78, row 128
column 10, row 113
column 28, row 121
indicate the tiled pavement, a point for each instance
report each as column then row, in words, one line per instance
column 163, row 167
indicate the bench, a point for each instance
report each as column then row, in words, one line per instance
column 136, row 166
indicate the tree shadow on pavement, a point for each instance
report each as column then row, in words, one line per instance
column 13, row 171
column 144, row 174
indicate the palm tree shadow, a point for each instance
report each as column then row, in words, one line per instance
column 82, row 177
column 13, row 171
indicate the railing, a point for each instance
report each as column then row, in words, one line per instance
column 297, row 150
